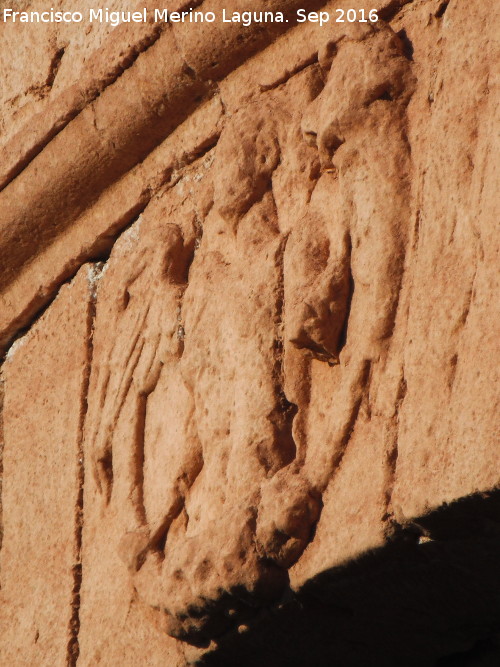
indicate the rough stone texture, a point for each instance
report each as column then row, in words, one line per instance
column 287, row 405
column 45, row 379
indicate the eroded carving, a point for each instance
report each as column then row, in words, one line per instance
column 365, row 160
column 263, row 258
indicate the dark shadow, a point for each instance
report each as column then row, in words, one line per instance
column 429, row 598
column 407, row 44
column 442, row 9
column 483, row 654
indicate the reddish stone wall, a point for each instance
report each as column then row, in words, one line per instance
column 249, row 289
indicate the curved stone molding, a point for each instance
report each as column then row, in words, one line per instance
column 117, row 130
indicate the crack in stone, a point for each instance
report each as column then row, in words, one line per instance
column 2, row 395
column 73, row 650
column 85, row 99
column 104, row 243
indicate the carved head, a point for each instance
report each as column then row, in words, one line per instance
column 367, row 75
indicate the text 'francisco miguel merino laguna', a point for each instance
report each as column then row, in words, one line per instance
column 114, row 18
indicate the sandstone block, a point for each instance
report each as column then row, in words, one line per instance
column 45, row 379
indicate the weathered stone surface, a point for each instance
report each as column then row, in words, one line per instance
column 45, row 378
column 293, row 388
column 94, row 231
column 450, row 420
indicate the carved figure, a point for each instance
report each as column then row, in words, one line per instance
column 228, row 491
